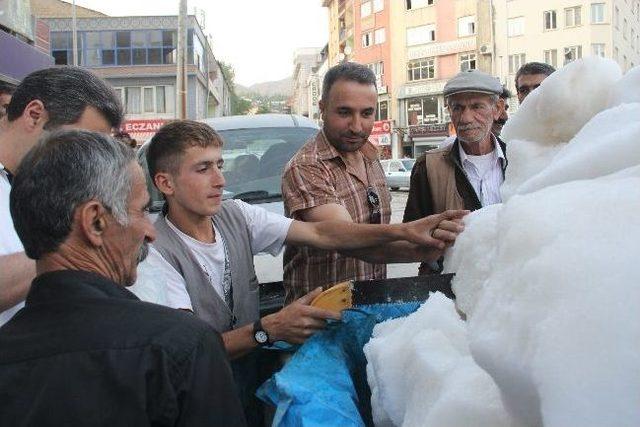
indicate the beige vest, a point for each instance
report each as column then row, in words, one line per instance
column 441, row 176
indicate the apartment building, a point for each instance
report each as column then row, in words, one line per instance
column 306, row 86
column 341, row 27
column 560, row 31
column 137, row 56
column 432, row 41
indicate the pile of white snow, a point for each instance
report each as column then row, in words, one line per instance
column 549, row 280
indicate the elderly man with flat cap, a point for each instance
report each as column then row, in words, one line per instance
column 468, row 173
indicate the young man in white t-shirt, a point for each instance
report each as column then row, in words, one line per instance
column 185, row 161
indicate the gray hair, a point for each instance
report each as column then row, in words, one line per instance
column 349, row 71
column 65, row 169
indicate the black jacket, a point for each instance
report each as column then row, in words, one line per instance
column 86, row 352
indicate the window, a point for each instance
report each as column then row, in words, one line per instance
column 516, row 61
column 422, row 111
column 378, row 6
column 148, row 99
column 617, row 17
column 550, row 21
column 467, row 61
column 416, row 4
column 633, row 39
column 382, row 113
column 572, row 53
column 573, row 16
column 365, row 9
column 625, row 63
column 625, row 28
column 379, row 36
column 132, row 100
column 597, row 49
column 367, row 39
column 616, row 53
column 421, row 35
column 377, row 68
column 421, row 69
column 515, row 26
column 551, row 57
column 597, row 13
column 466, row 26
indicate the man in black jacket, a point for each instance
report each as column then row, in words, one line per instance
column 84, row 350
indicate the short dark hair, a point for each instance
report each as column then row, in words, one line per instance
column 170, row 142
column 506, row 93
column 349, row 71
column 534, row 68
column 62, row 171
column 7, row 88
column 66, row 92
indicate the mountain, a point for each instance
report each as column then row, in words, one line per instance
column 282, row 87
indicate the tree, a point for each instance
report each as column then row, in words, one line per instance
column 238, row 105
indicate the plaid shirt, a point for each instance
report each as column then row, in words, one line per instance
column 318, row 175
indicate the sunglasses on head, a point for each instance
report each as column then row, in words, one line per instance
column 375, row 217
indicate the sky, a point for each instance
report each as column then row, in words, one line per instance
column 258, row 37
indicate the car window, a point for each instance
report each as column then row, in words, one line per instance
column 255, row 158
column 408, row 164
column 385, row 165
column 396, row 167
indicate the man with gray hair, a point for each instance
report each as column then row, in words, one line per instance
column 468, row 173
column 84, row 350
column 48, row 99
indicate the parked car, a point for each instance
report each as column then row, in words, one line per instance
column 256, row 149
column 398, row 172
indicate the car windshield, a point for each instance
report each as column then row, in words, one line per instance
column 408, row 163
column 254, row 159
column 253, row 162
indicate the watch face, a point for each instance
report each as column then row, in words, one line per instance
column 261, row 337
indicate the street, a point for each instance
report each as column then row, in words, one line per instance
column 398, row 202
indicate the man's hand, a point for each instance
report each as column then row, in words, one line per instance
column 297, row 321
column 436, row 231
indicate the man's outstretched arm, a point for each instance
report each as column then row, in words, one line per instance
column 330, row 227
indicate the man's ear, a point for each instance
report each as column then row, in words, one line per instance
column 35, row 116
column 164, row 183
column 321, row 107
column 91, row 219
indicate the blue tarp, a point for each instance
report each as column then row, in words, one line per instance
column 325, row 382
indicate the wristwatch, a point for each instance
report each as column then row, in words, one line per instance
column 259, row 334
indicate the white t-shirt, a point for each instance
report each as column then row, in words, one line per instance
column 9, row 241
column 267, row 233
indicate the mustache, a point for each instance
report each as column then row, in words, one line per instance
column 361, row 135
column 143, row 252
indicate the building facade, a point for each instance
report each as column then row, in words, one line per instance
column 560, row 31
column 305, row 82
column 137, row 56
column 432, row 41
column 341, row 30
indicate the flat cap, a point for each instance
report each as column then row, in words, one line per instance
column 473, row 81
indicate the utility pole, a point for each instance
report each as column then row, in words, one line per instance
column 181, row 63
column 74, row 31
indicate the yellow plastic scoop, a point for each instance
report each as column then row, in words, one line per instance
column 337, row 298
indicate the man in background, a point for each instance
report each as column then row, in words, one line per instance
column 530, row 76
